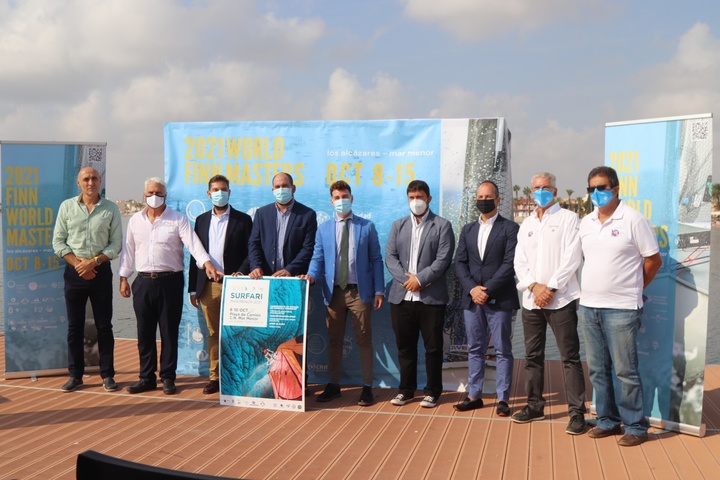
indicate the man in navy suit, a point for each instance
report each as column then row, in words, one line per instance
column 224, row 232
column 347, row 253
column 283, row 234
column 484, row 267
column 418, row 255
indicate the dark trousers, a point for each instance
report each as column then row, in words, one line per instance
column 99, row 291
column 158, row 302
column 564, row 323
column 409, row 320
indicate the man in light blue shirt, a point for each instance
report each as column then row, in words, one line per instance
column 88, row 234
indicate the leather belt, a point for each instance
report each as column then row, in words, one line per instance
column 349, row 286
column 154, row 275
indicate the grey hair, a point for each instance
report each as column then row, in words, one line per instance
column 157, row 180
column 547, row 175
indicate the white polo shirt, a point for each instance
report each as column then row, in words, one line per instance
column 548, row 252
column 612, row 276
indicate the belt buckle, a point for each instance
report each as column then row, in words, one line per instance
column 154, row 275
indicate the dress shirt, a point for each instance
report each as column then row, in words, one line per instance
column 216, row 238
column 417, row 229
column 281, row 227
column 548, row 252
column 88, row 234
column 352, row 272
column 484, row 233
column 158, row 246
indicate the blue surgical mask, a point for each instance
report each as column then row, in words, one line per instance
column 600, row 198
column 283, row 195
column 220, row 198
column 543, row 198
column 342, row 206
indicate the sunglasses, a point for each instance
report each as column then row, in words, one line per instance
column 599, row 187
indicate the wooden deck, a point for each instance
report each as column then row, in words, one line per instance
column 43, row 430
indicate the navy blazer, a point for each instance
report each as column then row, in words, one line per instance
column 495, row 271
column 437, row 243
column 235, row 251
column 368, row 258
column 299, row 239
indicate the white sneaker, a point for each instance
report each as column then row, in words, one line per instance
column 429, row 402
column 400, row 400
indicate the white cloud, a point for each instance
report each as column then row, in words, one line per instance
column 347, row 99
column 478, row 20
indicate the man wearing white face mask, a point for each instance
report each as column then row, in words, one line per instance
column 347, row 253
column 283, row 234
column 546, row 261
column 154, row 248
column 225, row 233
column 418, row 254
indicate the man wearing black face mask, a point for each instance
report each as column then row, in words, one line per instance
column 484, row 266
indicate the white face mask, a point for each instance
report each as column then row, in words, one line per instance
column 418, row 207
column 154, row 201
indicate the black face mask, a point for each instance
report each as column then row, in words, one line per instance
column 485, row 206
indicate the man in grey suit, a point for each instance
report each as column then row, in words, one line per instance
column 484, row 267
column 419, row 252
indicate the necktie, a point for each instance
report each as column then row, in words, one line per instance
column 344, row 239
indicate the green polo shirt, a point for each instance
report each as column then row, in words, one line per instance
column 88, row 234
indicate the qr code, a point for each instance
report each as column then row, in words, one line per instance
column 700, row 131
column 95, row 154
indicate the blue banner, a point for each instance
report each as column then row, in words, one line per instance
column 665, row 169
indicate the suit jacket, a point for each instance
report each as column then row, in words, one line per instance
column 235, row 251
column 299, row 239
column 368, row 258
column 495, row 271
column 437, row 244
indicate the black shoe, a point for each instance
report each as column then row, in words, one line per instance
column 366, row 397
column 332, row 390
column 213, row 386
column 577, row 425
column 468, row 405
column 72, row 384
column 142, row 385
column 169, row 386
column 502, row 409
column 109, row 384
column 527, row 415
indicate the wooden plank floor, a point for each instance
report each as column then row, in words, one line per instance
column 43, row 430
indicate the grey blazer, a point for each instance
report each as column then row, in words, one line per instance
column 437, row 245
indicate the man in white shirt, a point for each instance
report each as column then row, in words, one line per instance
column 154, row 248
column 546, row 261
column 621, row 259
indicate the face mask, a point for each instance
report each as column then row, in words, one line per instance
column 283, row 195
column 600, row 198
column 543, row 198
column 418, row 207
column 155, row 201
column 342, row 206
column 219, row 198
column 485, row 206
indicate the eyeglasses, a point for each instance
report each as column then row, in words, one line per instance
column 599, row 187
column 546, row 188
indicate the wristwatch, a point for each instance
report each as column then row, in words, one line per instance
column 97, row 260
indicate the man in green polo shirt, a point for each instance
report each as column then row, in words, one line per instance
column 88, row 234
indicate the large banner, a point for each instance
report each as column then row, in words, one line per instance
column 36, row 178
column 665, row 168
column 261, row 343
column 378, row 159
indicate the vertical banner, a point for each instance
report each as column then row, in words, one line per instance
column 378, row 158
column 36, row 178
column 262, row 349
column 665, row 168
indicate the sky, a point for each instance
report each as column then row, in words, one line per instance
column 116, row 71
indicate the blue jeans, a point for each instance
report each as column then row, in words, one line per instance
column 610, row 345
column 479, row 320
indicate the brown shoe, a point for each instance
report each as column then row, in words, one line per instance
column 602, row 433
column 213, row 386
column 629, row 440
